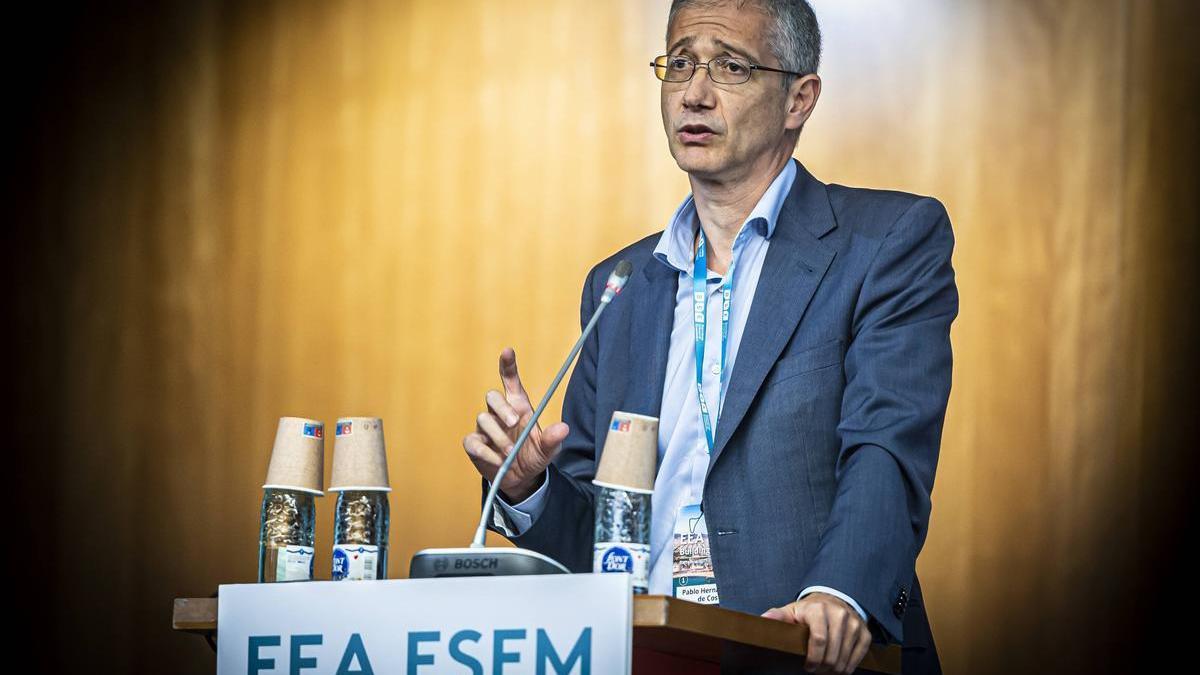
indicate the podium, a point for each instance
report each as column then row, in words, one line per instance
column 669, row 636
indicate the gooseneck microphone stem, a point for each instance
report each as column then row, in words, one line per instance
column 616, row 281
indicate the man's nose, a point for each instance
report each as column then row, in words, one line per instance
column 699, row 91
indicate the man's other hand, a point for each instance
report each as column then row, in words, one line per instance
column 838, row 638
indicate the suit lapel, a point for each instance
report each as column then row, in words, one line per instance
column 793, row 268
column 653, row 316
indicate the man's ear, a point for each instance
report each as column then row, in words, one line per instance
column 802, row 95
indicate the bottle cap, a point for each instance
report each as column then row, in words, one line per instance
column 630, row 456
column 359, row 456
column 298, row 458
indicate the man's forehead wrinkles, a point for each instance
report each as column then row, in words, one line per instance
column 731, row 47
column 682, row 42
column 699, row 22
column 721, row 40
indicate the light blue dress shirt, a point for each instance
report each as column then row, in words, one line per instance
column 682, row 447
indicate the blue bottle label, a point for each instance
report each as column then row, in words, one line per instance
column 623, row 557
column 355, row 562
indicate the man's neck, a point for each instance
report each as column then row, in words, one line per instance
column 723, row 206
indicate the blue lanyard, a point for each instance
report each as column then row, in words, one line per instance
column 700, row 320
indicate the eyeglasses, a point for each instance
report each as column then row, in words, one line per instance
column 722, row 70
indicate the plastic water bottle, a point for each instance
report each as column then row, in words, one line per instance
column 285, row 539
column 622, row 541
column 361, row 535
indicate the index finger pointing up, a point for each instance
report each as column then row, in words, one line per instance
column 510, row 377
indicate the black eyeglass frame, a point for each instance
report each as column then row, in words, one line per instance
column 750, row 68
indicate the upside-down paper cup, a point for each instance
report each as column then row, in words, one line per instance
column 630, row 454
column 359, row 455
column 298, row 457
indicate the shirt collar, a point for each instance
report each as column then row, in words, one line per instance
column 676, row 245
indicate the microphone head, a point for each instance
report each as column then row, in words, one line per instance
column 624, row 269
column 616, row 280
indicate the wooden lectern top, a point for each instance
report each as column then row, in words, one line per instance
column 667, row 625
column 675, row 629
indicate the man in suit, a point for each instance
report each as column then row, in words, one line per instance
column 819, row 315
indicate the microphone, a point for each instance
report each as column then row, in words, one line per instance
column 479, row 560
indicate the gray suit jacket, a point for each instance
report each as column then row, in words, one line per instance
column 828, row 440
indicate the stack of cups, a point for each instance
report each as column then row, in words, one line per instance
column 288, row 518
column 360, row 477
column 626, row 481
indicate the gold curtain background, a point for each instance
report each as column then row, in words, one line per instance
column 228, row 212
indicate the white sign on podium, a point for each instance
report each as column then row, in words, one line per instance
column 553, row 624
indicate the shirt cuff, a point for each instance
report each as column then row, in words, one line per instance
column 520, row 517
column 837, row 594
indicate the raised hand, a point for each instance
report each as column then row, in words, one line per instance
column 497, row 428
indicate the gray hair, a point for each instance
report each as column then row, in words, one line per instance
column 794, row 36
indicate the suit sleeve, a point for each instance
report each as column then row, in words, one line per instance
column 564, row 529
column 898, row 369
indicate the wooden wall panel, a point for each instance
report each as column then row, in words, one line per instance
column 230, row 213
column 1005, row 111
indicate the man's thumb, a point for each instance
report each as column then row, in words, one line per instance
column 553, row 436
column 775, row 613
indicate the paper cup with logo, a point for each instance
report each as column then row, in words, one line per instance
column 298, row 457
column 359, row 455
column 630, row 457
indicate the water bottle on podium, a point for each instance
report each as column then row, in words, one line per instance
column 626, row 481
column 288, row 516
column 361, row 519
